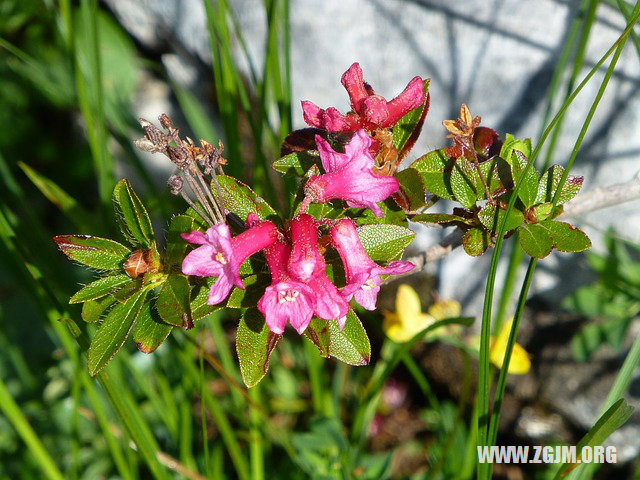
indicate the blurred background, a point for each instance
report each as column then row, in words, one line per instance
column 74, row 78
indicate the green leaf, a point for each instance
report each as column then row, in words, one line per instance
column 199, row 296
column 132, row 217
column 492, row 219
column 297, row 163
column 462, row 183
column 409, row 126
column 434, row 167
column 440, row 218
column 114, row 331
column 528, row 180
column 174, row 302
column 385, row 242
column 93, row 309
column 101, row 287
column 510, row 144
column 254, row 286
column 241, row 200
column 566, row 237
column 543, row 211
column 123, row 293
column 496, row 173
column 549, row 184
column 609, row 422
column 94, row 252
column 351, row 345
column 535, row 240
column 392, row 214
column 254, row 344
column 150, row 331
column 318, row 333
column 176, row 245
column 475, row 242
column 411, row 188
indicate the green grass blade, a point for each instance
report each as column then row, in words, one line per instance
column 483, row 368
column 21, row 424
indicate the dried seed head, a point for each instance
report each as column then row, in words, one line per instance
column 165, row 121
column 175, row 184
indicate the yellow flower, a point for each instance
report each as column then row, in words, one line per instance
column 520, row 362
column 408, row 318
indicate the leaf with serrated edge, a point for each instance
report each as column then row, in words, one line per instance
column 528, row 189
column 132, row 216
column 93, row 310
column 94, row 252
column 462, row 183
column 150, row 331
column 174, row 303
column 411, row 187
column 101, row 287
column 297, row 163
column 549, row 183
column 492, row 219
column 318, row 333
column 114, row 331
column 434, row 167
column 254, row 344
column 535, row 240
column 475, row 242
column 385, row 242
column 440, row 218
column 566, row 237
column 241, row 200
column 351, row 345
column 176, row 245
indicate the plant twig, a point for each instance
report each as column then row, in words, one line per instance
column 596, row 199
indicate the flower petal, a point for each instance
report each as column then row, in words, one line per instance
column 219, row 290
column 201, row 262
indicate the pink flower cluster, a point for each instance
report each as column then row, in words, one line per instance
column 300, row 288
column 368, row 110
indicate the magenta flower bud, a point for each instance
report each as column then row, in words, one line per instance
column 368, row 110
column 306, row 264
column 350, row 176
column 305, row 253
column 362, row 273
column 285, row 299
column 221, row 256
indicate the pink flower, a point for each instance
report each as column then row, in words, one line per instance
column 362, row 273
column 350, row 176
column 307, row 264
column 368, row 110
column 221, row 256
column 285, row 299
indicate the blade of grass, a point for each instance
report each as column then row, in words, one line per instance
column 256, row 450
column 13, row 413
column 578, row 63
column 484, row 470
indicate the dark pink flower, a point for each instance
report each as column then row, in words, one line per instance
column 285, row 299
column 350, row 176
column 221, row 256
column 368, row 110
column 362, row 273
column 307, row 264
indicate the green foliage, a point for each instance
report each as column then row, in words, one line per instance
column 611, row 302
column 131, row 215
